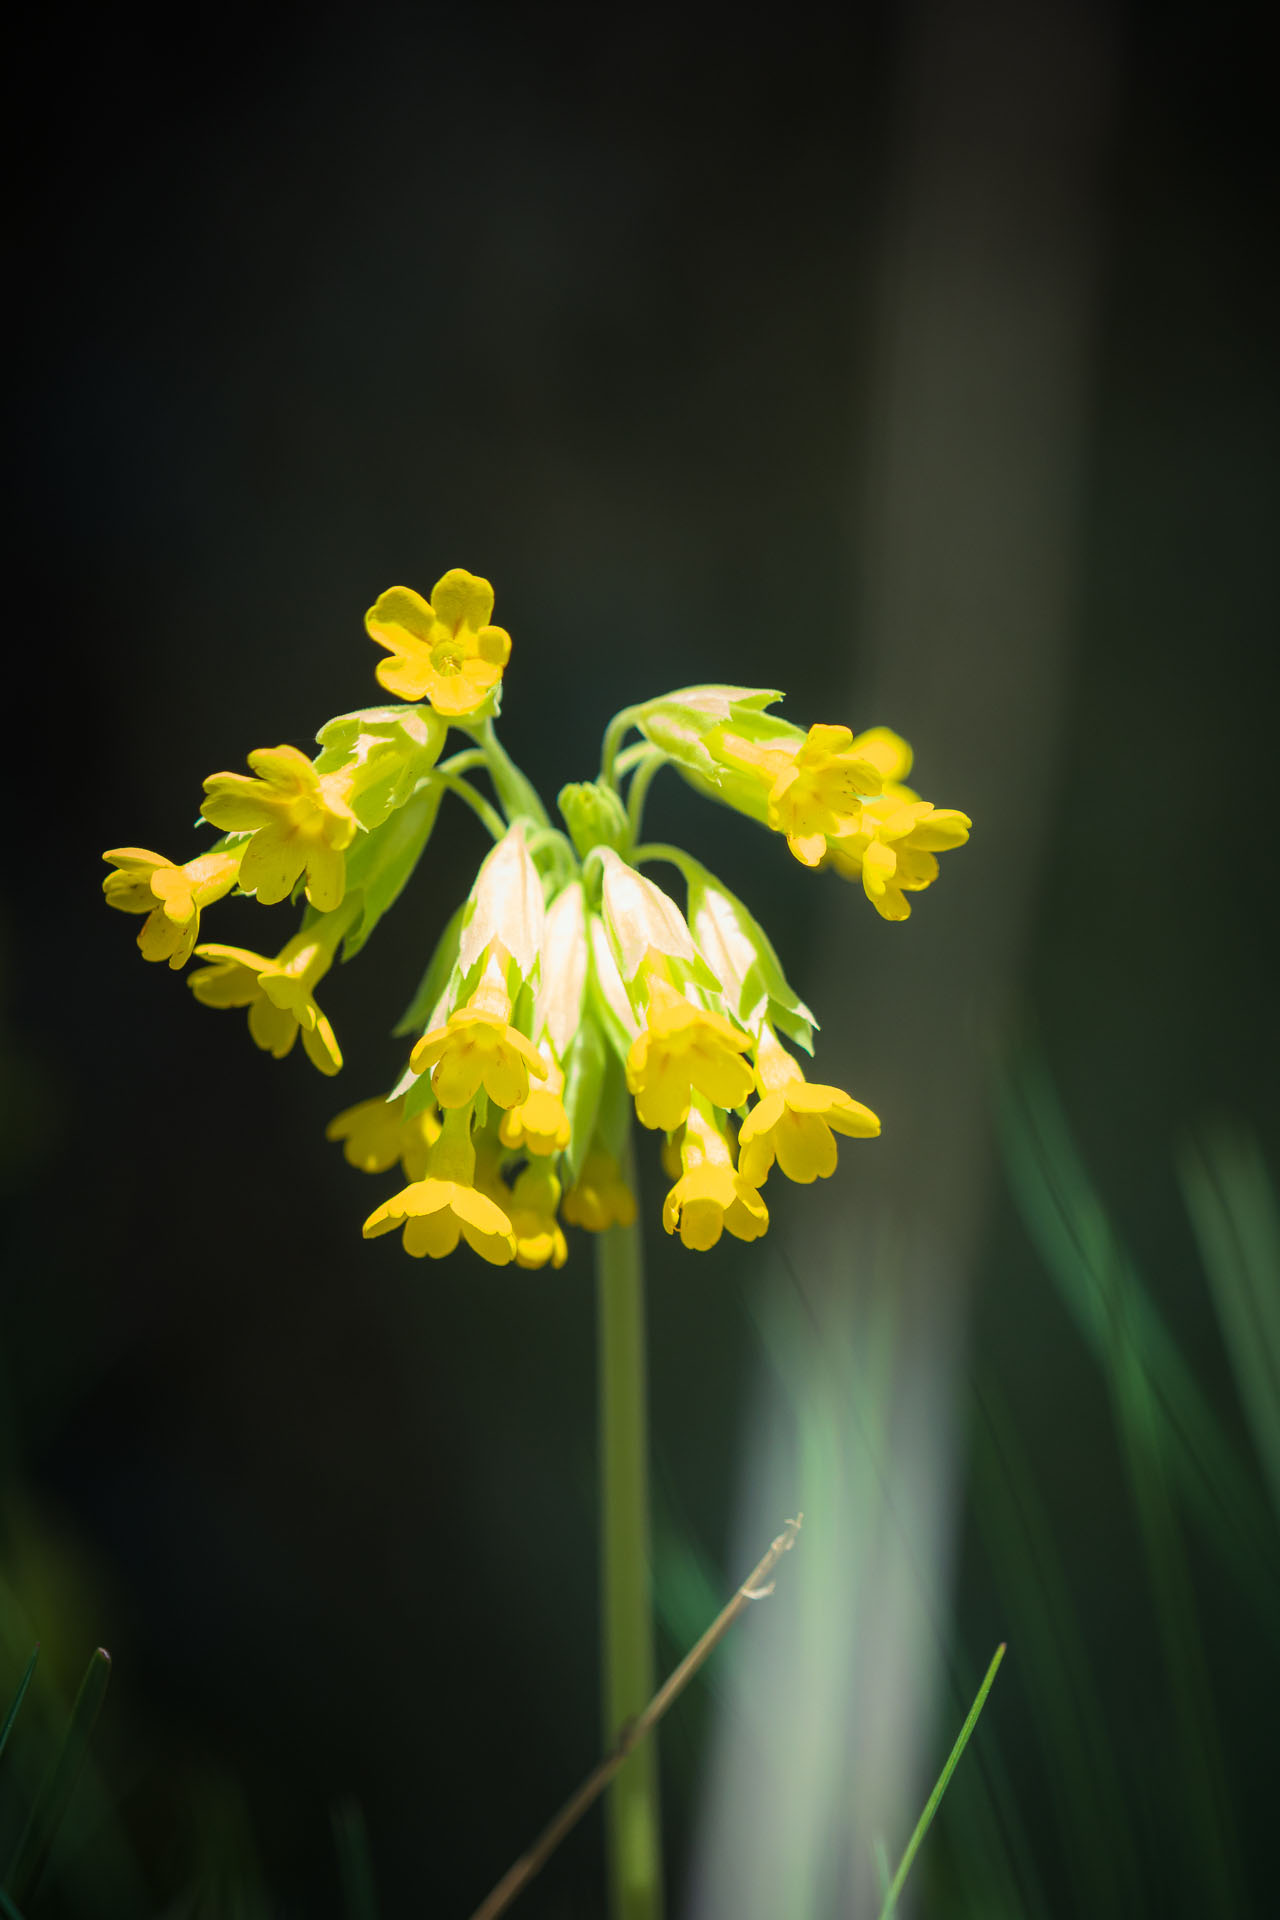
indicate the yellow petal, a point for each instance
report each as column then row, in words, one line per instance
column 460, row 598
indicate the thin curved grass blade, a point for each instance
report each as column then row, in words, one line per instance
column 18, row 1697
column 55, row 1796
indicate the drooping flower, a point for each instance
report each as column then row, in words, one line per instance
column 171, row 896
column 600, row 1198
column 444, row 650
column 478, row 1046
column 279, row 993
column 446, row 1206
column 795, row 1121
column 893, row 848
column 815, row 787
column 376, row 1133
column 539, row 1236
column 539, row 1124
column 710, row 1194
column 301, row 821
column 681, row 1049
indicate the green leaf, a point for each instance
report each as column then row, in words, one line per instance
column 55, row 1795
column 18, row 1698
column 383, row 862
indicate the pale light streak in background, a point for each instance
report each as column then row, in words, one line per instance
column 970, row 487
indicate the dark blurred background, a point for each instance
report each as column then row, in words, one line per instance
column 922, row 364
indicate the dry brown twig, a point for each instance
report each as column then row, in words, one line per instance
column 757, row 1586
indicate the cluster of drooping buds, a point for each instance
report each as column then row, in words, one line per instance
column 567, row 987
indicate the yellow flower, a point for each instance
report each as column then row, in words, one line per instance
column 539, row 1124
column 683, row 1047
column 443, row 650
column 893, row 848
column 710, row 1196
column 301, row 821
column 278, row 993
column 794, row 1121
column 539, row 1236
column 601, row 1198
column 375, row 1134
column 169, row 895
column 479, row 1046
column 814, row 789
column 445, row 1205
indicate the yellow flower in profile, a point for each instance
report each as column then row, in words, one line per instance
column 815, row 787
column 710, row 1196
column 478, row 1046
column 375, row 1134
column 279, row 993
column 893, row 848
column 445, row 1206
column 443, row 650
column 539, row 1236
column 600, row 1198
column 682, row 1048
column 171, row 896
column 301, row 821
column 539, row 1124
column 794, row 1121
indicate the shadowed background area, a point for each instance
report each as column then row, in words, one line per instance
column 924, row 367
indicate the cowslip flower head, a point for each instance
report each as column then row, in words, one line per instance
column 444, row 649
column 600, row 1198
column 446, row 1206
column 376, row 1133
column 171, row 896
column 711, row 1196
column 301, row 822
column 683, row 1049
column 478, row 1046
column 795, row 1121
column 539, row 1236
column 279, row 993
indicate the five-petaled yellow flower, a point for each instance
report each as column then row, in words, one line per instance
column 478, row 1046
column 710, row 1195
column 795, row 1121
column 540, row 1123
column 279, row 993
column 301, row 820
column 375, row 1134
column 169, row 895
column 443, row 650
column 684, row 1048
column 814, row 789
column 446, row 1205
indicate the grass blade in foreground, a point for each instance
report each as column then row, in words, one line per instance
column 55, row 1795
column 351, row 1839
column 944, row 1780
column 18, row 1698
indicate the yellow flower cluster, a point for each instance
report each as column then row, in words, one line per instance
column 568, row 989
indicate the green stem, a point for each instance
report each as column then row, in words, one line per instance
column 614, row 735
column 477, row 803
column 634, row 1837
column 638, row 791
column 518, row 795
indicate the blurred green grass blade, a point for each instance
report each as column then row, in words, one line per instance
column 54, row 1797
column 7, row 1907
column 935, row 1798
column 18, row 1697
column 355, row 1863
column 1066, row 1221
column 1233, row 1212
column 1054, row 1669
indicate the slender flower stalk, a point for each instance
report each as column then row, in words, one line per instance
column 566, row 991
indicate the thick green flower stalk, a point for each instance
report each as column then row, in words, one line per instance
column 568, row 985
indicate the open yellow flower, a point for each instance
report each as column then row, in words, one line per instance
column 279, row 993
column 815, row 787
column 171, row 896
column 445, row 1206
column 682, row 1048
column 443, row 650
column 539, row 1236
column 478, row 1046
column 539, row 1124
column 600, row 1198
column 375, row 1134
column 795, row 1122
column 301, row 821
column 710, row 1196
column 893, row 846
